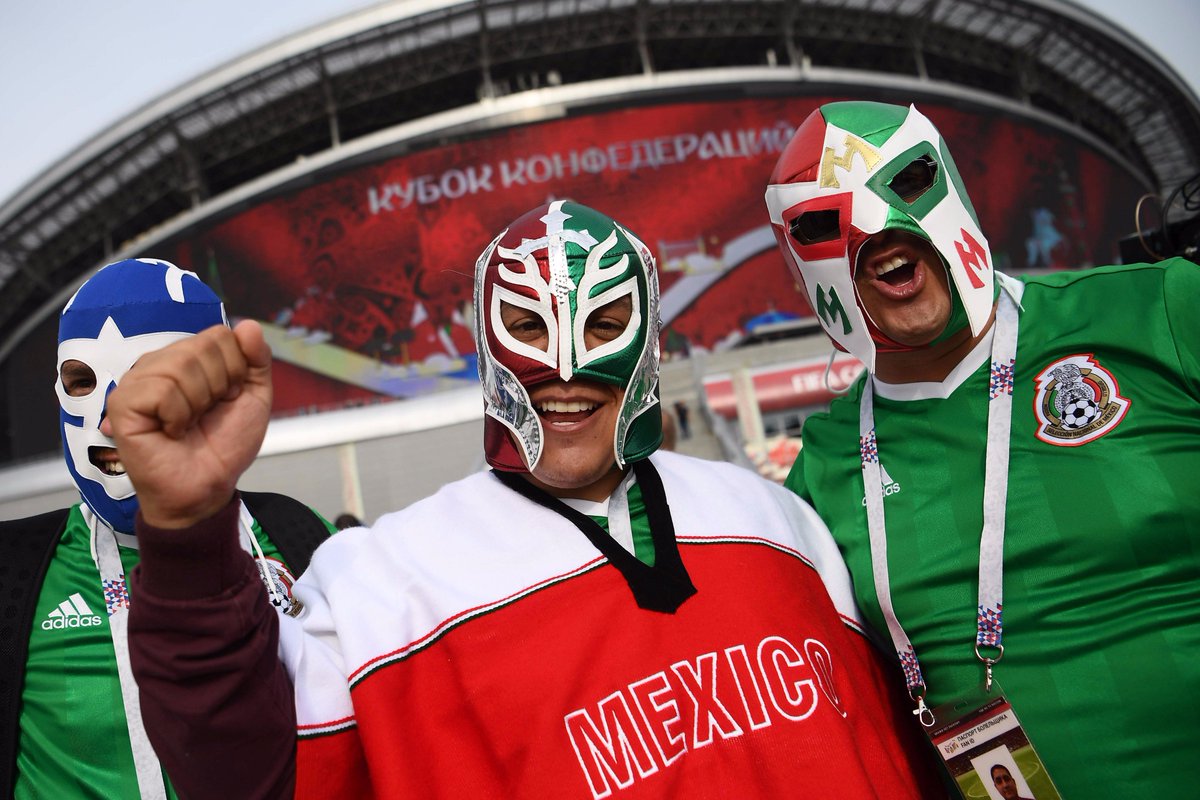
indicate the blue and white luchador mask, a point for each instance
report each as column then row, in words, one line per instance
column 125, row 310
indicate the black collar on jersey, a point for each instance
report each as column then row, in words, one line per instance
column 662, row 587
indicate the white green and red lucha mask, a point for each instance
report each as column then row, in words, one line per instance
column 563, row 261
column 125, row 310
column 844, row 177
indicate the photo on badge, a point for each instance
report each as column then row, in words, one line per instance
column 1000, row 776
column 987, row 752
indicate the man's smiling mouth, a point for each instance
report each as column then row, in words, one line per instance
column 565, row 406
column 565, row 412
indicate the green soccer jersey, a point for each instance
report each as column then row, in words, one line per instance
column 74, row 742
column 1102, row 538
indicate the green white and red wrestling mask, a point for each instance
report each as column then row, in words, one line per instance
column 563, row 262
column 852, row 170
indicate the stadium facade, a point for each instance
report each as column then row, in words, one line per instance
column 337, row 184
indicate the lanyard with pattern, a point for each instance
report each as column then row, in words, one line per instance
column 116, row 601
column 989, row 620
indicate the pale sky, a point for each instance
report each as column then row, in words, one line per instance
column 71, row 68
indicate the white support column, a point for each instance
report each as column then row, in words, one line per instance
column 352, row 501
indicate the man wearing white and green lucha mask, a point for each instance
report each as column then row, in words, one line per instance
column 1023, row 482
column 871, row 215
column 591, row 616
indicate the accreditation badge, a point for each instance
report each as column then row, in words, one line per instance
column 986, row 750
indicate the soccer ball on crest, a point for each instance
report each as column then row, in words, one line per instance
column 1079, row 414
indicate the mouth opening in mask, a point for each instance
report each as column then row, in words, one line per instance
column 107, row 460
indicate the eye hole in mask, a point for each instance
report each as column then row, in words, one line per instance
column 915, row 179
column 608, row 322
column 523, row 324
column 78, row 379
column 822, row 225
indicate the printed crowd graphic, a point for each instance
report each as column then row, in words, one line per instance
column 363, row 280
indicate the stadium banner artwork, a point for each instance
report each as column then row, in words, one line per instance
column 363, row 278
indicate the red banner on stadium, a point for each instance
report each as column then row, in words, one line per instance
column 365, row 280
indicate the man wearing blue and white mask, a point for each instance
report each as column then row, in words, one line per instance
column 70, row 722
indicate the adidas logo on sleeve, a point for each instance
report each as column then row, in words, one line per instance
column 71, row 613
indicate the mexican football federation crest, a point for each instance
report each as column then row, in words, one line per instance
column 279, row 581
column 1077, row 401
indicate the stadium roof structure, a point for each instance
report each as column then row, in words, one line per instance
column 411, row 73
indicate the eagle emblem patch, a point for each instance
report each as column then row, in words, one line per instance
column 1077, row 401
column 279, row 581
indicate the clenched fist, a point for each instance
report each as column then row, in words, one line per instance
column 189, row 419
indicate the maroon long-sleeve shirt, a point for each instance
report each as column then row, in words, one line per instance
column 216, row 702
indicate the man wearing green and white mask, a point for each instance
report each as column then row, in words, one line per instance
column 1019, row 513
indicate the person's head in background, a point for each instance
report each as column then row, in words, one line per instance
column 347, row 520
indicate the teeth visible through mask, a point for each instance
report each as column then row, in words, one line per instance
column 563, row 407
column 109, row 466
column 887, row 266
column 113, row 468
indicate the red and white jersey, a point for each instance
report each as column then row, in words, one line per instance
column 477, row 645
